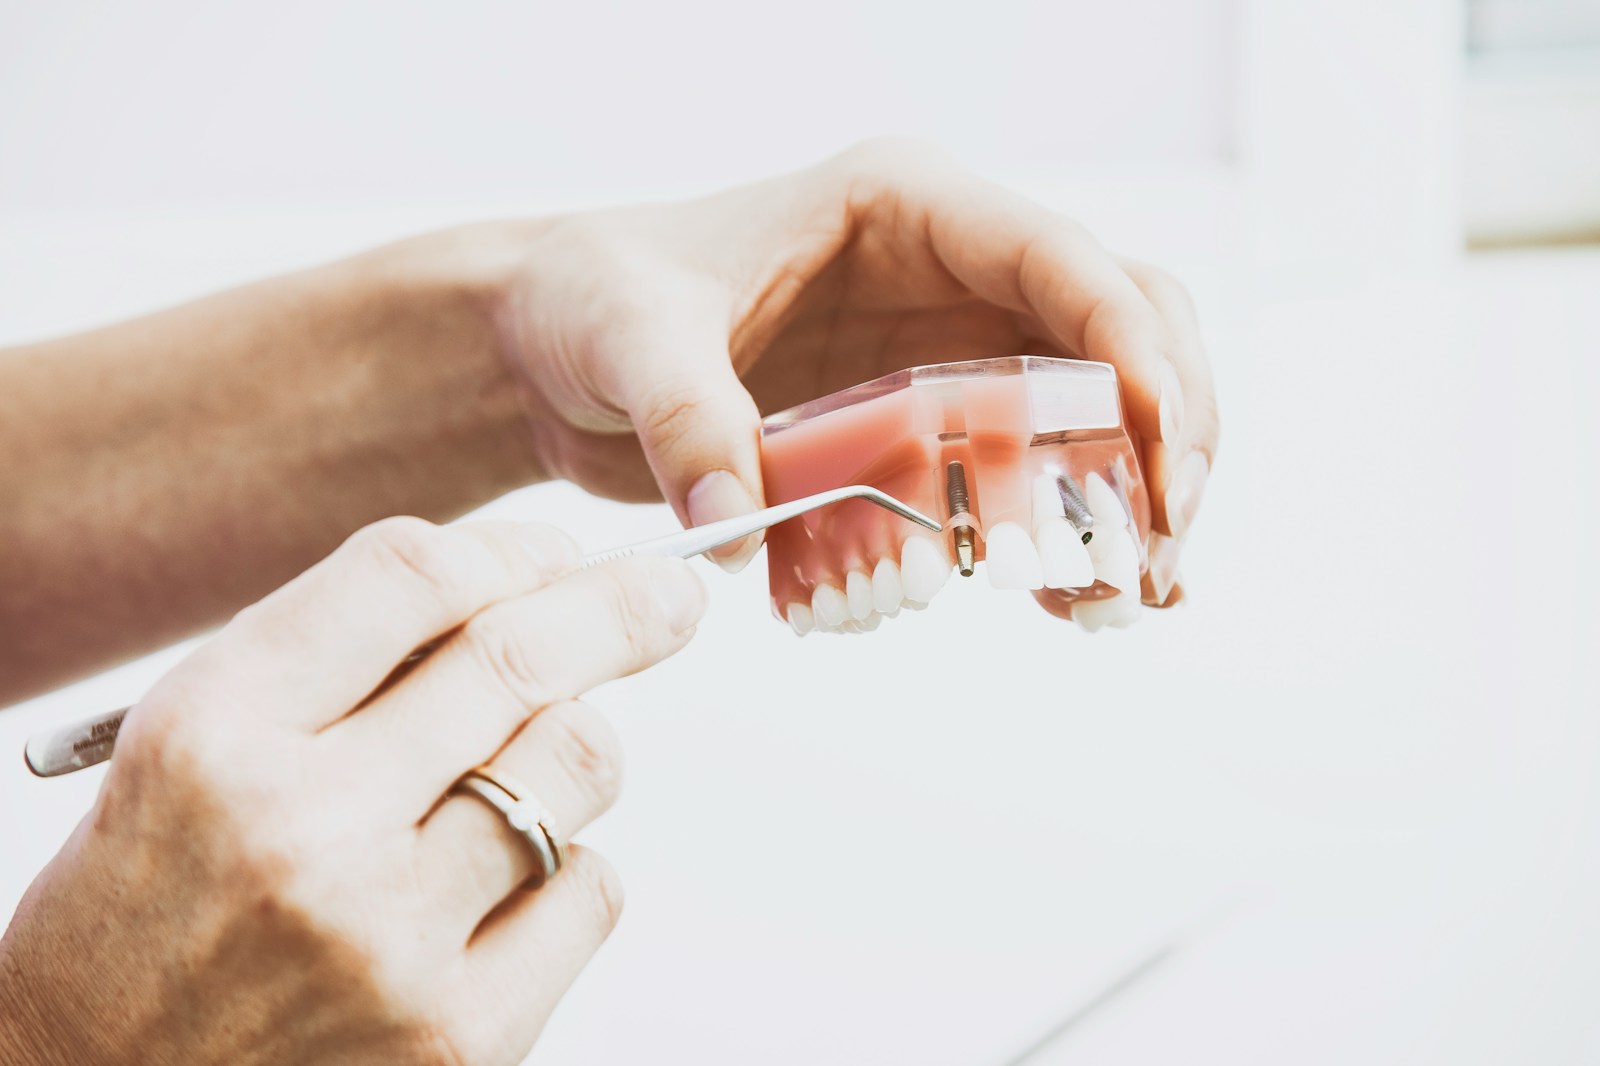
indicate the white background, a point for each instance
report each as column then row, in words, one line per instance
column 1343, row 794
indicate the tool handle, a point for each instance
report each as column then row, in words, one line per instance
column 82, row 744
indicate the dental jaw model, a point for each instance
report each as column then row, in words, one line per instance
column 1026, row 459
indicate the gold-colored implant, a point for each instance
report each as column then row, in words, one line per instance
column 955, row 490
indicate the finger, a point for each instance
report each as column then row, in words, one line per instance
column 1017, row 254
column 1176, row 468
column 469, row 859
column 528, row 953
column 321, row 644
column 699, row 427
column 457, row 708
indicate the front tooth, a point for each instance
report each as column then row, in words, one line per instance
column 858, row 594
column 1106, row 505
column 1119, row 565
column 1010, row 558
column 924, row 568
column 801, row 618
column 829, row 605
column 913, row 605
column 1062, row 556
column 886, row 588
column 870, row 622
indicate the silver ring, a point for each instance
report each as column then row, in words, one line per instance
column 522, row 811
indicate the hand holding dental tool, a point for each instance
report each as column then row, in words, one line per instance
column 316, row 854
column 264, row 791
column 92, row 741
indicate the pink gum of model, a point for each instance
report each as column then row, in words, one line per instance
column 1016, row 424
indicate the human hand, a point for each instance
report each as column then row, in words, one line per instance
column 276, row 869
column 648, row 339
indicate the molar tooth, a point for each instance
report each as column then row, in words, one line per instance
column 829, row 605
column 887, row 590
column 1109, row 514
column 1126, row 609
column 801, row 618
column 1091, row 614
column 1063, row 558
column 1119, row 611
column 858, row 594
column 924, row 568
column 1119, row 565
column 1010, row 558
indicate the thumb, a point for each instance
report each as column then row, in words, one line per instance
column 700, row 431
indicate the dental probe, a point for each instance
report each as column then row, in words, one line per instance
column 92, row 740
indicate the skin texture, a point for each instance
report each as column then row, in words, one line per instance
column 275, row 871
column 272, row 871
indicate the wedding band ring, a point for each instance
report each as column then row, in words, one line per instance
column 522, row 811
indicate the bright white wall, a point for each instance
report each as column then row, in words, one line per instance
column 174, row 105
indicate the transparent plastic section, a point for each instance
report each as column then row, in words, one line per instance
column 1054, row 501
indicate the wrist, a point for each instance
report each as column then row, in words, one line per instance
column 443, row 297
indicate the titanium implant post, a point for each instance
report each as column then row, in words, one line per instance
column 1075, row 506
column 955, row 490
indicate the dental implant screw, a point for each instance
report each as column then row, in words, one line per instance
column 955, row 490
column 1075, row 506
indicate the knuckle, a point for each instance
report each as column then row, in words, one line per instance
column 638, row 617
column 414, row 550
column 1163, row 287
column 586, row 744
column 891, row 156
column 667, row 413
column 506, row 659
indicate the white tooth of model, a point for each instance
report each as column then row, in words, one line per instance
column 1010, row 558
column 870, row 622
column 1063, row 559
column 858, row 594
column 1119, row 565
column 1104, row 504
column 1092, row 614
column 801, row 619
column 1125, row 609
column 924, row 568
column 1120, row 611
column 887, row 592
column 829, row 606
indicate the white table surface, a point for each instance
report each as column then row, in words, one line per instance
column 1345, row 790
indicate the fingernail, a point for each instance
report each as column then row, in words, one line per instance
column 1169, row 402
column 720, row 495
column 679, row 593
column 1188, row 484
column 551, row 550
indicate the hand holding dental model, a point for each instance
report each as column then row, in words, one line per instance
column 293, row 857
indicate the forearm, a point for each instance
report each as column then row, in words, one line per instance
column 161, row 473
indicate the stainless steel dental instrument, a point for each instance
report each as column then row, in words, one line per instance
column 91, row 741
